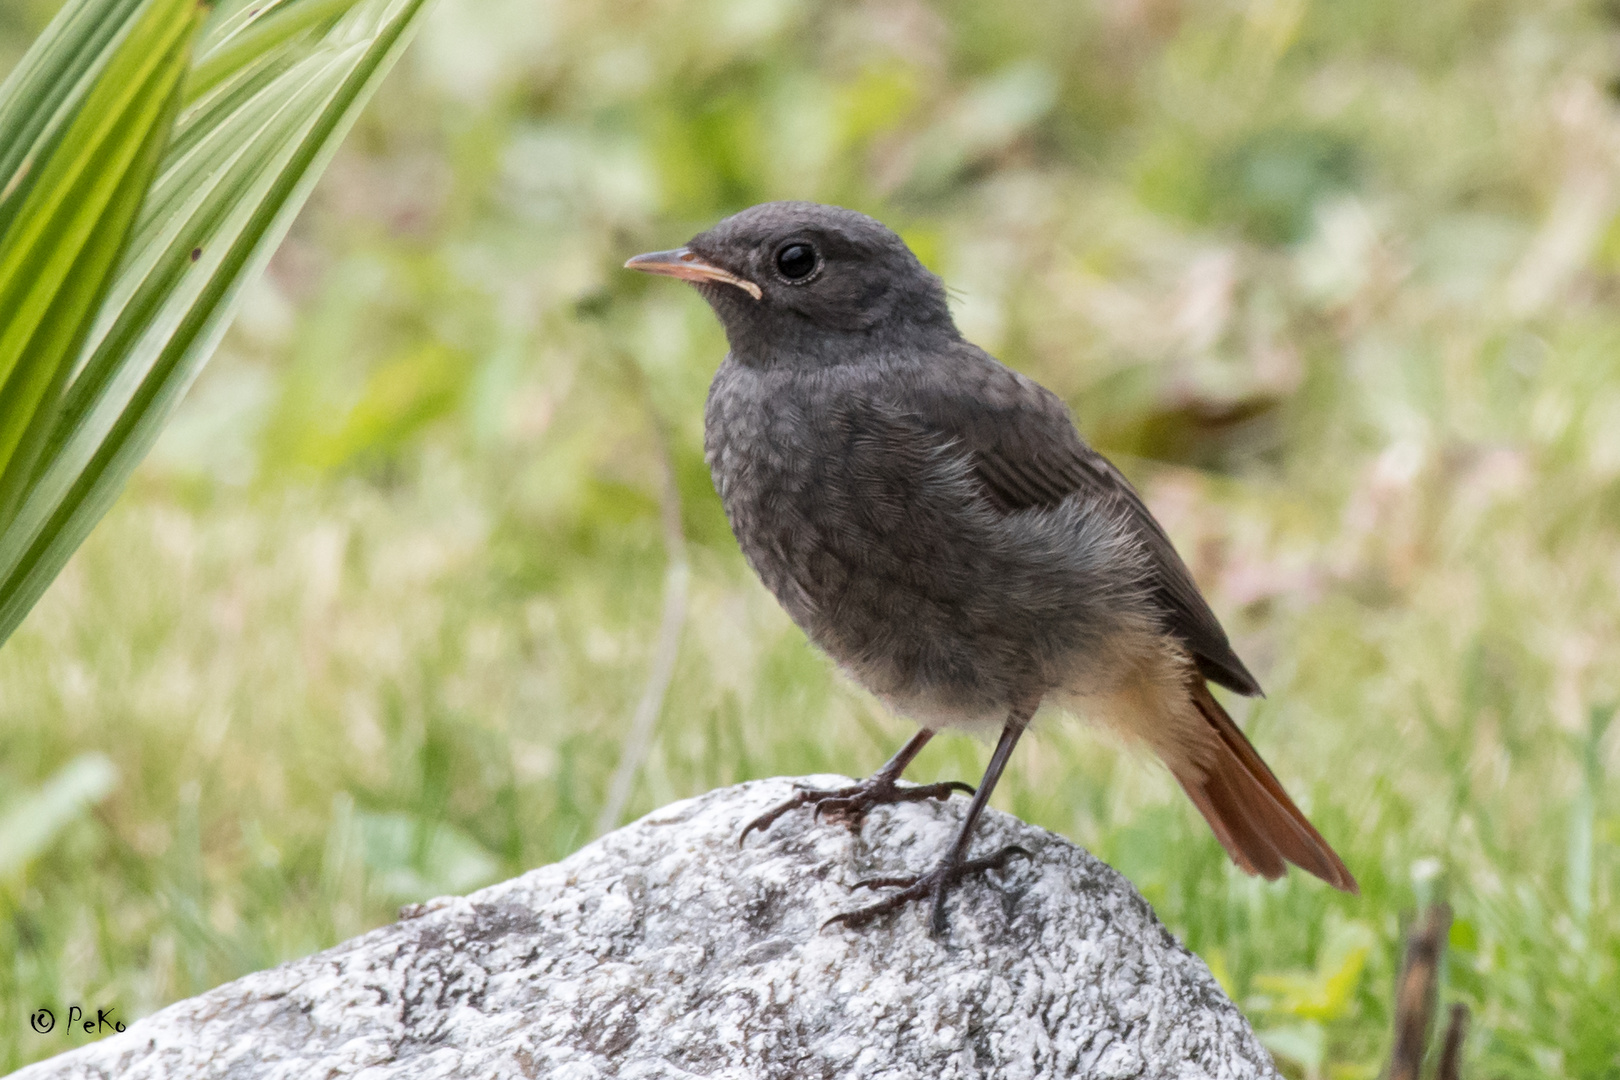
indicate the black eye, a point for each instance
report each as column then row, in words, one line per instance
column 795, row 261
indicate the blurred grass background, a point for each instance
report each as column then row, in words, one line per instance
column 1337, row 283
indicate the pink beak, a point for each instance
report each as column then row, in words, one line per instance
column 689, row 266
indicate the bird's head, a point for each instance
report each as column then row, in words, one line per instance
column 809, row 285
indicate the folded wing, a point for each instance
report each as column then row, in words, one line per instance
column 1027, row 453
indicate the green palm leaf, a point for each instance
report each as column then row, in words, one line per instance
column 75, row 203
column 273, row 91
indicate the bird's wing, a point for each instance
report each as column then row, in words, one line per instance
column 1027, row 453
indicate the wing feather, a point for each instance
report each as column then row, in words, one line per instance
column 1027, row 453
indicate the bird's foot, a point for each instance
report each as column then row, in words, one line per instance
column 850, row 804
column 935, row 884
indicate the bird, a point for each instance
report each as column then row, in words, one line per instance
column 934, row 521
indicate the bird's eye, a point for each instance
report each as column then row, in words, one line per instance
column 796, row 261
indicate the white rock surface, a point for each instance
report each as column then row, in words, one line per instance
column 664, row 951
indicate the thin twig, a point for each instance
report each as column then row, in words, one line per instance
column 677, row 577
column 1451, row 1052
column 1415, row 993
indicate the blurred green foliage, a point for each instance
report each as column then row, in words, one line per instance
column 1337, row 283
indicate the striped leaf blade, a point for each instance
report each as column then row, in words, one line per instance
column 61, row 247
column 241, row 163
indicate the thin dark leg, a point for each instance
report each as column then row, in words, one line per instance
column 903, row 757
column 955, row 865
column 850, row 804
column 992, row 776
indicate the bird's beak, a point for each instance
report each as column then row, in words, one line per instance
column 689, row 266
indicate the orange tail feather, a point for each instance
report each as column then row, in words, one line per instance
column 1252, row 816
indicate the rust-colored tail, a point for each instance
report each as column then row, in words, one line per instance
column 1252, row 815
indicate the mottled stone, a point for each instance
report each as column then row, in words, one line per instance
column 665, row 951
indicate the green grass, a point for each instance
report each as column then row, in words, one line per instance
column 1336, row 283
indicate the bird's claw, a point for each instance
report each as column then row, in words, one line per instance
column 850, row 804
column 936, row 883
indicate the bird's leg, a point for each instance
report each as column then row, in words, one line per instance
column 850, row 804
column 937, row 882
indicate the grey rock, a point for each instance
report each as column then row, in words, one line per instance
column 665, row 951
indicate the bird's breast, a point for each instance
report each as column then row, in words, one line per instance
column 814, row 508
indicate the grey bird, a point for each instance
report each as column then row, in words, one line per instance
column 933, row 520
